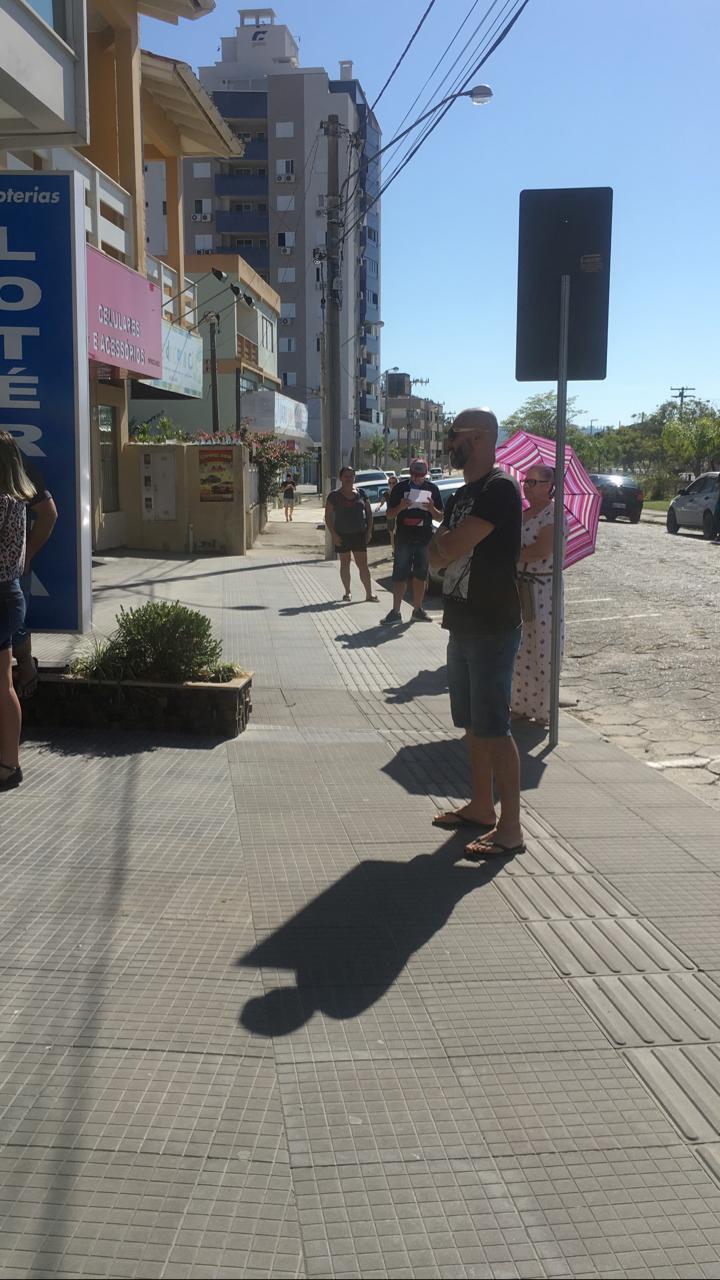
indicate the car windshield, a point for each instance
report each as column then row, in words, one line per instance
column 613, row 479
column 361, row 477
column 374, row 492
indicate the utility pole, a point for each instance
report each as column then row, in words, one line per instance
column 334, row 302
column 213, row 375
column 682, row 396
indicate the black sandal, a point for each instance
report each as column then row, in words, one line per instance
column 13, row 779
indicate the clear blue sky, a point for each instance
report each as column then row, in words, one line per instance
column 619, row 93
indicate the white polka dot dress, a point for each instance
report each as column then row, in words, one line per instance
column 531, row 683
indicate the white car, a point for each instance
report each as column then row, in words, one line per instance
column 694, row 507
column 372, row 476
column 436, row 473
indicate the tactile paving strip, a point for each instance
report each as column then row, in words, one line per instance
column 545, row 858
column 592, row 947
column 563, row 897
column 650, row 1009
column 686, row 1081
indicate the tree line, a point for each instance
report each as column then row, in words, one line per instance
column 659, row 447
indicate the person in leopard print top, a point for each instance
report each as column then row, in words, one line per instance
column 15, row 491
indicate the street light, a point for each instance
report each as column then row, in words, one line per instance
column 386, row 428
column 214, row 271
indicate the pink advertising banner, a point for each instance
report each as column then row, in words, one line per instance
column 124, row 316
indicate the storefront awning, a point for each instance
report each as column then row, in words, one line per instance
column 180, row 96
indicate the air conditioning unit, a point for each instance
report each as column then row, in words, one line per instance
column 285, row 250
column 319, row 213
column 195, row 217
column 286, row 320
column 206, row 217
column 279, row 177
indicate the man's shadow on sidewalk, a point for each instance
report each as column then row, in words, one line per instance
column 425, row 684
column 348, row 946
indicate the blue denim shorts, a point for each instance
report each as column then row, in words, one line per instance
column 12, row 611
column 480, row 674
column 411, row 561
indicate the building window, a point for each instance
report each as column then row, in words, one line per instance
column 284, row 129
column 286, row 344
column 267, row 334
column 374, row 299
column 203, row 244
column 261, row 207
column 372, row 266
column 285, row 204
column 371, row 233
column 165, row 207
column 286, row 239
column 286, row 275
column 317, row 343
column 285, row 168
column 287, row 310
column 203, row 206
column 244, row 243
column 289, row 378
column 201, row 169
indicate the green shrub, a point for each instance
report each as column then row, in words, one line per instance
column 158, row 641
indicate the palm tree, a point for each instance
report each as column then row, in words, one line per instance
column 376, row 446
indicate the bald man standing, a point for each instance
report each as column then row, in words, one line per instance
column 478, row 544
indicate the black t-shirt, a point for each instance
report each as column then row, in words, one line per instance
column 480, row 589
column 349, row 514
column 413, row 524
column 289, row 490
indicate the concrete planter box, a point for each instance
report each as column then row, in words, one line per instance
column 213, row 710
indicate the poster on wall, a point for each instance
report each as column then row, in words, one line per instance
column 157, row 479
column 216, row 475
column 44, row 377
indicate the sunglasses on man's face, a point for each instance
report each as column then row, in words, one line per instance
column 530, row 484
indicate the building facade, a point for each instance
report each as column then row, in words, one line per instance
column 414, row 423
column 270, row 207
column 112, row 111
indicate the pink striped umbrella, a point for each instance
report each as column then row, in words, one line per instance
column 582, row 500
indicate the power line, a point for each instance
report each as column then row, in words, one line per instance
column 495, row 45
column 401, row 59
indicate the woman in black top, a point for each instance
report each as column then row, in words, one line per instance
column 289, row 497
column 348, row 517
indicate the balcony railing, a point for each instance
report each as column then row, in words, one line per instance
column 108, row 207
column 247, row 350
column 168, row 281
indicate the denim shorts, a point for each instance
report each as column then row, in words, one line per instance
column 480, row 674
column 12, row 611
column 410, row 561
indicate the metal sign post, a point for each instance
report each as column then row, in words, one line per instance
column 559, row 499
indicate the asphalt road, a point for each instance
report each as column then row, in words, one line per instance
column 642, row 649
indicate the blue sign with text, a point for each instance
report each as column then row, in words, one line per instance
column 44, row 377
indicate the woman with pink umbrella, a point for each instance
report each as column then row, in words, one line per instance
column 531, row 684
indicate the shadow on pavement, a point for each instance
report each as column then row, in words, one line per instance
column 114, row 744
column 445, row 761
column 372, row 637
column 292, row 611
column 425, row 684
column 348, row 946
column 160, row 580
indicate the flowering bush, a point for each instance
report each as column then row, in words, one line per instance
column 274, row 458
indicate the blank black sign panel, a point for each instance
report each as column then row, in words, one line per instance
column 563, row 232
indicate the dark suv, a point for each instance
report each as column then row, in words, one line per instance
column 621, row 496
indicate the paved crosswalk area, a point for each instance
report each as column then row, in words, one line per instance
column 259, row 1018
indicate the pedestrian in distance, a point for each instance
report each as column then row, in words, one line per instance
column 412, row 506
column 531, row 682
column 349, row 519
column 41, row 519
column 15, row 491
column 289, row 487
column 479, row 545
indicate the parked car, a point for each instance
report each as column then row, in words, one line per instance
column 376, row 495
column 371, row 476
column 694, row 506
column 447, row 487
column 436, row 473
column 621, row 496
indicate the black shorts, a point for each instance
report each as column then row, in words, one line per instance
column 353, row 542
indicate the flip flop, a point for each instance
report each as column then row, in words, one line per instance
column 371, row 599
column 455, row 820
column 492, row 849
column 347, row 596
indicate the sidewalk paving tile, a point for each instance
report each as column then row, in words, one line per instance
column 479, row 1017
column 536, row 1102
column 650, row 854
column 564, row 898
column 698, row 936
column 459, row 952
column 671, row 894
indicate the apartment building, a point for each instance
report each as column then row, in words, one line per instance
column 80, row 97
column 269, row 207
column 414, row 423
